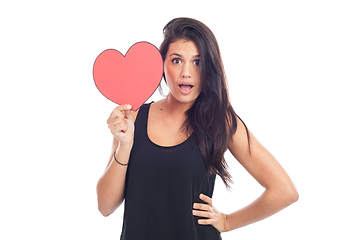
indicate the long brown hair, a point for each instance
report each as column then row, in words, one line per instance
column 211, row 118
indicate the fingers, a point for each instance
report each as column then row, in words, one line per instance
column 203, row 207
column 128, row 115
column 127, row 111
column 206, row 199
column 118, row 127
column 121, row 108
column 121, row 123
column 209, row 214
column 124, row 107
column 206, row 221
column 121, row 112
column 204, row 210
column 204, row 214
column 117, row 120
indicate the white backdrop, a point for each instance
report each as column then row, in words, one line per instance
column 293, row 69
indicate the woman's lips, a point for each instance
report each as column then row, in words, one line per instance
column 185, row 88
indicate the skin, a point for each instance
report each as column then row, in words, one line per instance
column 167, row 116
column 279, row 189
column 111, row 185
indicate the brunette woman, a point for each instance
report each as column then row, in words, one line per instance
column 166, row 155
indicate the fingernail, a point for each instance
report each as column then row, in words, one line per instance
column 195, row 205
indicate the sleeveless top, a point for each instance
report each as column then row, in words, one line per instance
column 162, row 184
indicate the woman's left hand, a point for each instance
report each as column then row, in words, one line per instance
column 214, row 217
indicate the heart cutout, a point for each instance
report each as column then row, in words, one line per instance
column 129, row 79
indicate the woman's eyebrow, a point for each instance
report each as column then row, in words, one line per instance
column 176, row 54
column 179, row 55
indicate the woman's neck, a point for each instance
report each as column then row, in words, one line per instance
column 174, row 107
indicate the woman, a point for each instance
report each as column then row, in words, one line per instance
column 165, row 156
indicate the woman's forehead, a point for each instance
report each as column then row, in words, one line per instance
column 184, row 48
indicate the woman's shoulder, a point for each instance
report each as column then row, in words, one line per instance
column 155, row 107
column 146, row 106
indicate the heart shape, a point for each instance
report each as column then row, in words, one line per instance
column 129, row 79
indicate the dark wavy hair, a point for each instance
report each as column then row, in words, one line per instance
column 211, row 118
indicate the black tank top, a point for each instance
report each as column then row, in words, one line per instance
column 162, row 184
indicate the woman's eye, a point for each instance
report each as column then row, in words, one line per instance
column 176, row 60
column 197, row 62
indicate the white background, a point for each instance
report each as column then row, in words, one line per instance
column 293, row 69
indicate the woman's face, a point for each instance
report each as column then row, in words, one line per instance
column 181, row 69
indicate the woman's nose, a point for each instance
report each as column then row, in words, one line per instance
column 186, row 71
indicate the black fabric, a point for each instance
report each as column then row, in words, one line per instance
column 162, row 183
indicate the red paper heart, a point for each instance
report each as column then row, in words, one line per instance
column 131, row 79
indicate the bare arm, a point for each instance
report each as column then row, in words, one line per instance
column 279, row 189
column 111, row 185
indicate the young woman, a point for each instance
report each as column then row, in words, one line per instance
column 165, row 156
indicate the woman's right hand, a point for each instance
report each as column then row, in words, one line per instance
column 121, row 124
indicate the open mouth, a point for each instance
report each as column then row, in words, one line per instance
column 185, row 87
